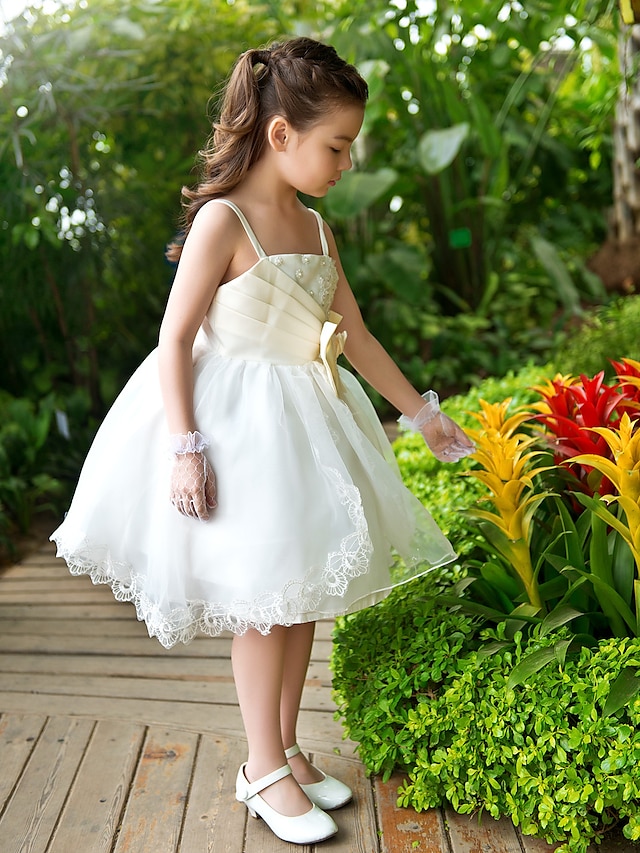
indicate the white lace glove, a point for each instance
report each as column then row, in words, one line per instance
column 445, row 439
column 193, row 484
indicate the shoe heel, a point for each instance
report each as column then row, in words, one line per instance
column 252, row 812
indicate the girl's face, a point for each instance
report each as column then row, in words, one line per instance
column 315, row 159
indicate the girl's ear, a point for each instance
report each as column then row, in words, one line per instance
column 278, row 133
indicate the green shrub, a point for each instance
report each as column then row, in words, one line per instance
column 610, row 332
column 26, row 486
column 415, row 694
column 431, row 690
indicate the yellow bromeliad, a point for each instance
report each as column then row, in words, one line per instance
column 508, row 473
column 624, row 473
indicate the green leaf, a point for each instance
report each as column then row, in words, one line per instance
column 357, row 191
column 623, row 689
column 610, row 597
column 559, row 616
column 498, row 576
column 529, row 666
column 437, row 149
column 557, row 271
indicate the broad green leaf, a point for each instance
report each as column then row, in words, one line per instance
column 606, row 593
column 529, row 666
column 357, row 191
column 559, row 616
column 555, row 267
column 622, row 566
column 497, row 576
column 560, row 649
column 623, row 689
column 437, row 149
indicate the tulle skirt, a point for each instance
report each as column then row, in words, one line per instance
column 311, row 508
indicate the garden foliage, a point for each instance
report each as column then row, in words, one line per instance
column 510, row 683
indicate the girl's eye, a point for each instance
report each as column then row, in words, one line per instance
column 336, row 150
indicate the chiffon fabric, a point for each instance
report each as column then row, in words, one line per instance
column 311, row 512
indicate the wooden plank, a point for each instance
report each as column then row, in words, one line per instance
column 316, row 728
column 107, row 609
column 18, row 735
column 170, row 668
column 92, row 812
column 154, row 812
column 28, row 571
column 12, row 585
column 356, row 821
column 200, row 647
column 75, row 627
column 468, row 834
column 33, row 809
column 77, row 596
column 215, row 820
column 405, row 830
column 221, row 691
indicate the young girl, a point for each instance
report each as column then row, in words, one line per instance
column 242, row 481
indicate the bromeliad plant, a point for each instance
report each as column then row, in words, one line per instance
column 507, row 470
column 553, row 550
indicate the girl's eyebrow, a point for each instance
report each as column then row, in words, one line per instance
column 345, row 138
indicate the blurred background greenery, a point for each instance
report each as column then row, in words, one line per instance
column 484, row 193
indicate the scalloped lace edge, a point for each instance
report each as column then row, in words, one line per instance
column 262, row 613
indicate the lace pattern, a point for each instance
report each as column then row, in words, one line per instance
column 298, row 597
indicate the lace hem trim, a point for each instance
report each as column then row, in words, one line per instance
column 262, row 613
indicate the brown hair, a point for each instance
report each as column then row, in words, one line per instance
column 300, row 80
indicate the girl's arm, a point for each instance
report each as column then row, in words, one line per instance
column 366, row 353
column 444, row 437
column 205, row 258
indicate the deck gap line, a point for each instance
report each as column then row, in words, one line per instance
column 72, row 783
column 126, row 797
column 36, row 740
column 187, row 798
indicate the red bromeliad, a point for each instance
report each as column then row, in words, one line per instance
column 573, row 407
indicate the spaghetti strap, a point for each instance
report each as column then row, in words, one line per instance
column 260, row 252
column 323, row 239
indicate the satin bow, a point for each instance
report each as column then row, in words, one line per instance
column 331, row 346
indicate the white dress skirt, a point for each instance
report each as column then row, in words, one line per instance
column 311, row 512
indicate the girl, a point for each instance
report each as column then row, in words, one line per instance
column 299, row 520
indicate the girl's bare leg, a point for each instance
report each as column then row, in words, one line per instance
column 258, row 668
column 298, row 645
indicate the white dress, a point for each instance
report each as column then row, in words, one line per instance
column 311, row 509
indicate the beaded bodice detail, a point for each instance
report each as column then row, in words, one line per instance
column 317, row 274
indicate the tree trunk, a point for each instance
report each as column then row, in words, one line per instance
column 626, row 172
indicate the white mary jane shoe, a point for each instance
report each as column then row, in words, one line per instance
column 307, row 828
column 328, row 793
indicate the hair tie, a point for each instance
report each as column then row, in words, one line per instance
column 261, row 56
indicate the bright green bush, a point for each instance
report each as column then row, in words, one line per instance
column 431, row 690
column 610, row 332
column 415, row 694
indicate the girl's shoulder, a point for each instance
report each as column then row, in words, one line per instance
column 216, row 219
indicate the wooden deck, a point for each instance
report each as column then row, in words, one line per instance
column 111, row 744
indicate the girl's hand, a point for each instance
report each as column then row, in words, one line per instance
column 445, row 439
column 193, row 485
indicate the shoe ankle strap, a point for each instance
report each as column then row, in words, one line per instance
column 254, row 788
column 293, row 750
